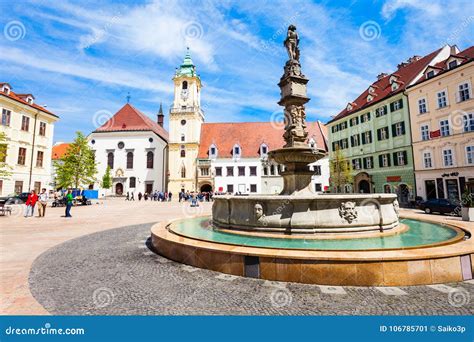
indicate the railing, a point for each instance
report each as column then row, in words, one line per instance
column 185, row 109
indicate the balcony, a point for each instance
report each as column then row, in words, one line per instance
column 204, row 162
column 179, row 110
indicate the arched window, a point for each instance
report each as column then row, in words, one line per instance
column 130, row 160
column 263, row 150
column 183, row 137
column 213, row 151
column 183, row 151
column 149, row 160
column 183, row 171
column 272, row 170
column 133, row 182
column 236, row 151
column 185, row 85
column 110, row 160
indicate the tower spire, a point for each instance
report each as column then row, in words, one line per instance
column 160, row 117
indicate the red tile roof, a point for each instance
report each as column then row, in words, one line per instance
column 406, row 74
column 59, row 151
column 250, row 135
column 128, row 118
column 466, row 56
column 18, row 97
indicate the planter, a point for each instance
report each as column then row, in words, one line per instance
column 467, row 214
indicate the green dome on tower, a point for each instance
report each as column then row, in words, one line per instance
column 187, row 68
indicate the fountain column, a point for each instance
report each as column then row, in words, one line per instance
column 295, row 154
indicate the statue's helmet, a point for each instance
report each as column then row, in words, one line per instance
column 292, row 27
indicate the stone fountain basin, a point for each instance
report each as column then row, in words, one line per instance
column 316, row 213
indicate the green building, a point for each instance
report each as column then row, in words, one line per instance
column 373, row 133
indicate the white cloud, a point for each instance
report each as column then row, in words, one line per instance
column 391, row 7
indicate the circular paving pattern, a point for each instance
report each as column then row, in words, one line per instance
column 115, row 273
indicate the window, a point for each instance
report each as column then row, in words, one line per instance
column 183, row 122
column 183, row 137
column 317, row 170
column 470, row 155
column 241, row 170
column 442, row 100
column 263, row 150
column 236, row 151
column 272, row 170
column 39, row 158
column 212, row 151
column 6, row 116
column 396, row 105
column 132, row 182
column 453, row 64
column 430, row 74
column 253, row 187
column 183, row 171
column 381, row 111
column 110, row 160
column 368, row 162
column 468, row 122
column 253, row 170
column 18, row 187
column 21, row 156
column 42, row 129
column 427, row 161
column 218, row 171
column 398, row 129
column 382, row 133
column 25, row 123
column 400, row 158
column 384, row 160
column 120, row 145
column 425, row 132
column 318, row 187
column 444, row 127
column 343, row 125
column 130, row 160
column 354, row 121
column 185, row 85
column 344, row 144
column 230, row 188
column 365, row 117
column 366, row 137
column 448, row 157
column 265, row 171
column 183, row 151
column 464, row 92
column 230, row 171
column 149, row 160
column 355, row 140
column 356, row 164
column 204, row 171
column 422, row 106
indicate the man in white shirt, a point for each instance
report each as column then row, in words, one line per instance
column 42, row 201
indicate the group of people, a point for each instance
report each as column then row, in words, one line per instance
column 195, row 197
column 42, row 200
column 155, row 196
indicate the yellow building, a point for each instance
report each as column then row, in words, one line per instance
column 442, row 126
column 186, row 118
column 29, row 130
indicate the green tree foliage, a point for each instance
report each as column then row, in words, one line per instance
column 341, row 171
column 4, row 173
column 77, row 168
column 107, row 179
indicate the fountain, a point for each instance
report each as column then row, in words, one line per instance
column 301, row 236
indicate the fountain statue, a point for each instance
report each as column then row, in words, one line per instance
column 298, row 209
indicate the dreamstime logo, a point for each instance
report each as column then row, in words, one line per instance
column 370, row 30
column 281, row 297
column 191, row 211
column 458, row 297
column 14, row 30
column 102, row 297
column 368, row 207
column 278, row 119
column 102, row 117
column 193, row 30
column 458, row 119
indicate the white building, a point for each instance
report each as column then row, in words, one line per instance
column 29, row 130
column 135, row 147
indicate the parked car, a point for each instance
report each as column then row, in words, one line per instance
column 15, row 199
column 440, row 205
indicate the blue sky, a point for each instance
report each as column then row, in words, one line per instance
column 81, row 58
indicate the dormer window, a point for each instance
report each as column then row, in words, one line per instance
column 29, row 99
column 393, row 79
column 213, row 151
column 263, row 150
column 430, row 74
column 394, row 86
column 369, row 98
column 452, row 64
column 6, row 89
column 236, row 151
column 312, row 143
column 349, row 107
column 372, row 89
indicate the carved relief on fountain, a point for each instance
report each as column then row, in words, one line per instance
column 348, row 212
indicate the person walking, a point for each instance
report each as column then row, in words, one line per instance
column 43, row 202
column 69, row 200
column 140, row 196
column 170, row 195
column 132, row 198
column 30, row 203
column 128, row 196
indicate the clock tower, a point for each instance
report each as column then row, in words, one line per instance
column 186, row 118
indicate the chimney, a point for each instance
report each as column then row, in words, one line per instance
column 414, row 59
column 161, row 116
column 381, row 75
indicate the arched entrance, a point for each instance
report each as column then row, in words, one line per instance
column 403, row 194
column 206, row 188
column 119, row 189
column 364, row 186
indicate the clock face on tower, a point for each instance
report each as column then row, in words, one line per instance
column 184, row 94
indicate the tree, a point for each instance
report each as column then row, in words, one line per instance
column 77, row 167
column 341, row 171
column 4, row 173
column 107, row 179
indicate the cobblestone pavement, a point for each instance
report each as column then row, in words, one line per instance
column 115, row 273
